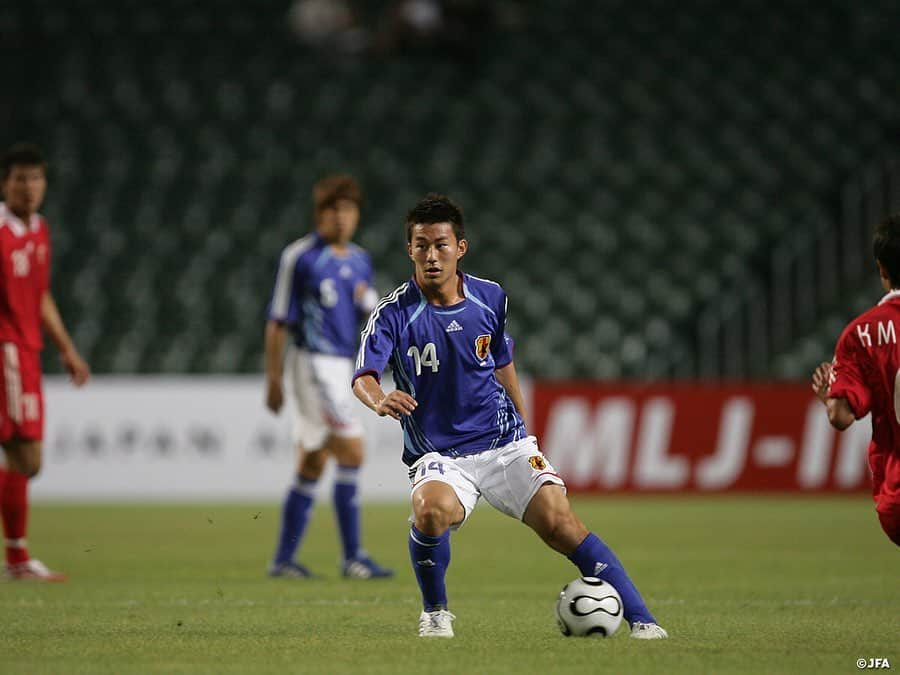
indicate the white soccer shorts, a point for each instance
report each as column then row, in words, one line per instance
column 321, row 400
column 506, row 477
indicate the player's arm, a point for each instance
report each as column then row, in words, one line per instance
column 283, row 311
column 394, row 404
column 276, row 337
column 840, row 414
column 365, row 297
column 55, row 328
column 509, row 380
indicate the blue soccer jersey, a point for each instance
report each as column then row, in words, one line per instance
column 314, row 295
column 445, row 358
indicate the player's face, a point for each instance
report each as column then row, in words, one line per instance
column 337, row 223
column 24, row 189
column 435, row 251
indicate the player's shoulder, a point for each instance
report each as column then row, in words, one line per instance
column 299, row 247
column 358, row 251
column 883, row 317
column 485, row 291
column 398, row 301
column 14, row 226
column 486, row 286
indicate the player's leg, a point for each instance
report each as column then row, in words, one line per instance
column 308, row 432
column 886, row 492
column 550, row 515
column 295, row 514
column 348, row 452
column 337, row 410
column 519, row 481
column 435, row 508
column 890, row 522
column 23, row 462
column 886, row 482
column 441, row 498
column 22, row 428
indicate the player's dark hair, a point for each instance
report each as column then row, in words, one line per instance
column 435, row 208
column 21, row 154
column 886, row 247
column 333, row 187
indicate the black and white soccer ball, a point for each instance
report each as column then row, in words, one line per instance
column 588, row 607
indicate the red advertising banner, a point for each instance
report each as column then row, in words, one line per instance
column 696, row 438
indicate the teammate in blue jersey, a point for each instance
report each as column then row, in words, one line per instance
column 323, row 290
column 461, row 410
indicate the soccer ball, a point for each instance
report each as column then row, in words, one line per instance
column 588, row 607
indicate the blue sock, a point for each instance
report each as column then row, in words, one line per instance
column 294, row 517
column 346, row 509
column 430, row 558
column 596, row 559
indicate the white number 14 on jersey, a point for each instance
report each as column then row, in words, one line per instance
column 427, row 358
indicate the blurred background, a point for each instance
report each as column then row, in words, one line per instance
column 659, row 186
column 666, row 190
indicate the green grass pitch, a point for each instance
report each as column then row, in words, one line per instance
column 743, row 584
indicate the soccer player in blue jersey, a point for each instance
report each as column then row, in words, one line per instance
column 323, row 290
column 461, row 410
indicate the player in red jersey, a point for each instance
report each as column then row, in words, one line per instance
column 864, row 377
column 26, row 307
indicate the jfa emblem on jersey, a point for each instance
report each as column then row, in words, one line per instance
column 537, row 463
column 482, row 345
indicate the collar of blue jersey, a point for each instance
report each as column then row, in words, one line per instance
column 459, row 273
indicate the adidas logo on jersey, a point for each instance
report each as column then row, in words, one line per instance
column 454, row 327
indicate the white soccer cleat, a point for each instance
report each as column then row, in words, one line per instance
column 33, row 570
column 648, row 631
column 436, row 624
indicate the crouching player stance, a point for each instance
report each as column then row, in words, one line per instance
column 864, row 377
column 459, row 403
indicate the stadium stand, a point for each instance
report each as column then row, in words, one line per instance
column 627, row 173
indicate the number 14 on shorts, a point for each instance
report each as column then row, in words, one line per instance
column 431, row 467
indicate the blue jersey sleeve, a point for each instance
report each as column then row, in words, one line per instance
column 286, row 297
column 376, row 343
column 501, row 343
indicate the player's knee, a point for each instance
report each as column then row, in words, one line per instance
column 30, row 466
column 350, row 456
column 561, row 530
column 25, row 458
column 313, row 464
column 433, row 515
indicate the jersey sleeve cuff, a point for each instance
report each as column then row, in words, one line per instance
column 498, row 366
column 851, row 398
column 366, row 371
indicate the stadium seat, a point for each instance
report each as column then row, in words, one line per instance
column 616, row 181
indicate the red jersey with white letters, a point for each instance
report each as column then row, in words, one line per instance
column 866, row 371
column 24, row 277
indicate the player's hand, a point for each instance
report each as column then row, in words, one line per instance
column 365, row 297
column 396, row 404
column 274, row 396
column 821, row 379
column 76, row 366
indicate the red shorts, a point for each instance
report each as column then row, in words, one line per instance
column 886, row 491
column 885, row 479
column 21, row 395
